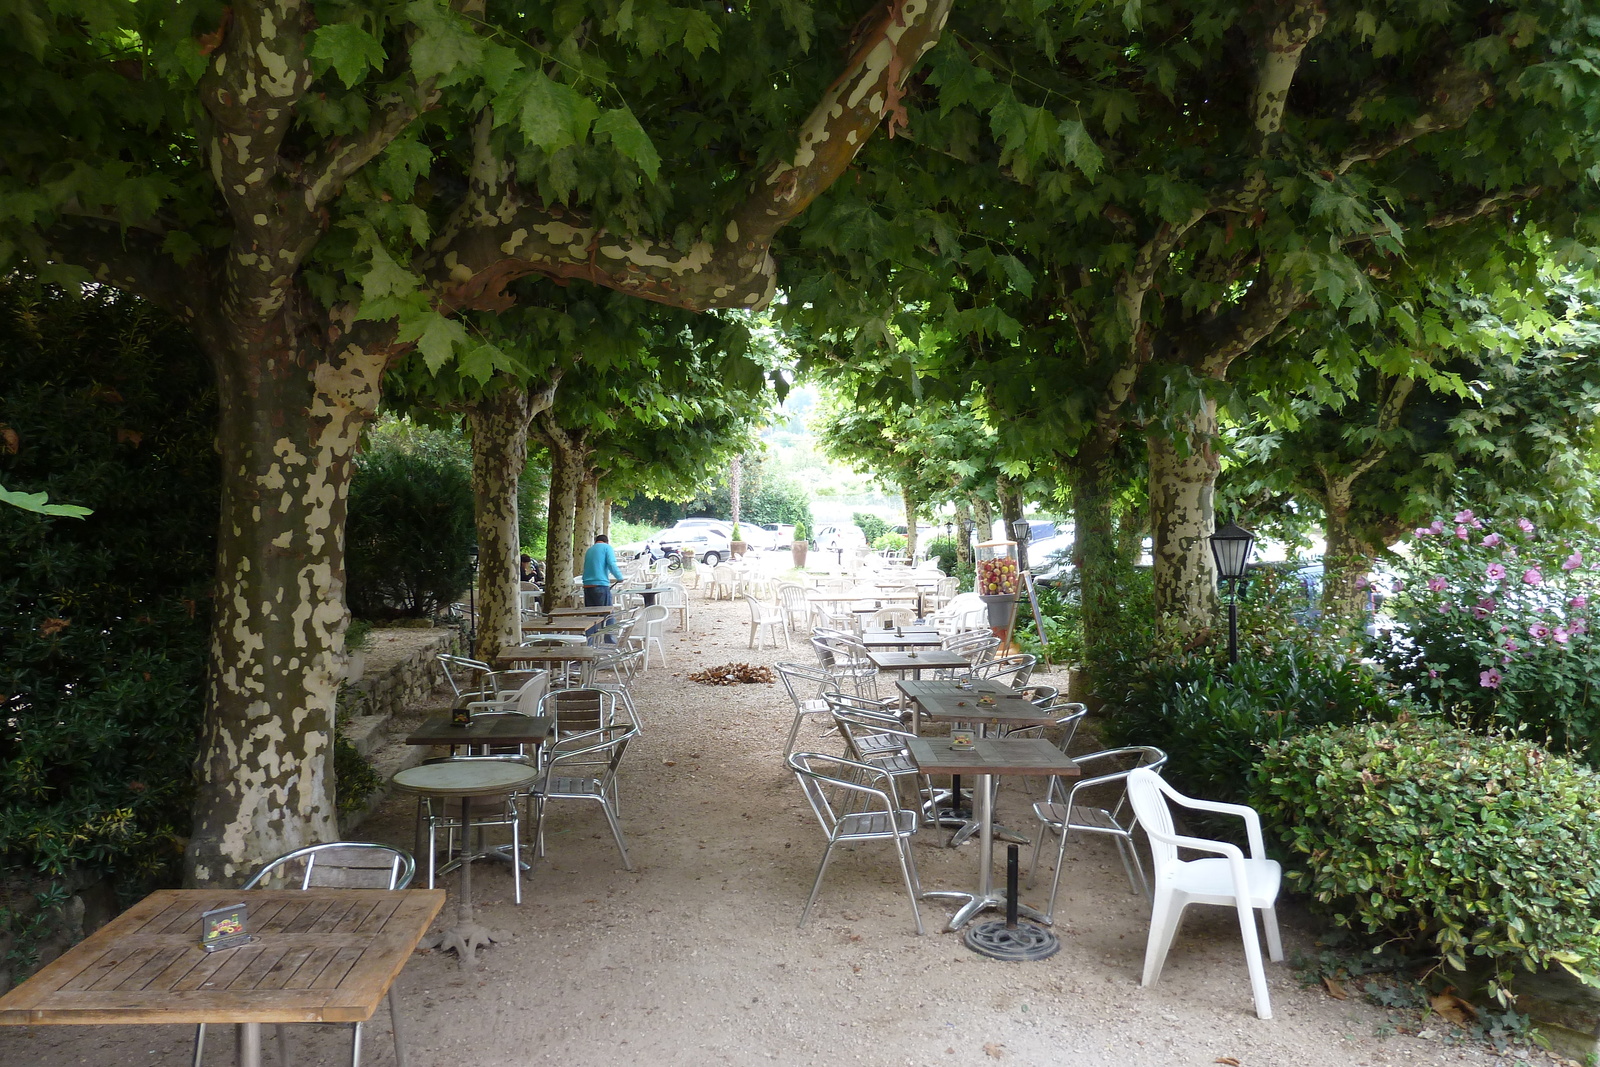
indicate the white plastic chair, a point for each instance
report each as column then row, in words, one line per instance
column 765, row 617
column 1225, row 878
column 647, row 631
column 675, row 598
column 796, row 608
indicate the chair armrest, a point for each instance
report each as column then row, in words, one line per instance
column 1252, row 821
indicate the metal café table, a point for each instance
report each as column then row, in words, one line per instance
column 573, row 626
column 901, row 638
column 987, row 758
column 647, row 592
column 514, row 657
column 915, row 662
column 317, row 956
column 466, row 779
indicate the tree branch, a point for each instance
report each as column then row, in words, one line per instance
column 475, row 256
column 1286, row 44
column 1454, row 94
column 128, row 259
column 1252, row 320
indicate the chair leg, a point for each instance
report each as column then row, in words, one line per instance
column 902, row 849
column 1055, row 883
column 1269, row 919
column 817, row 885
column 355, row 1047
column 616, row 832
column 516, row 852
column 1163, row 927
column 1252, row 959
column 394, row 1026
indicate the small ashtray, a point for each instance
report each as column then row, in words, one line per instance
column 227, row 927
column 961, row 739
column 911, row 655
column 986, row 702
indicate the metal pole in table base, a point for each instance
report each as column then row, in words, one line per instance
column 985, row 898
column 467, row 935
column 249, row 1045
column 1012, row 940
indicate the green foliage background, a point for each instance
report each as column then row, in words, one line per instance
column 103, row 621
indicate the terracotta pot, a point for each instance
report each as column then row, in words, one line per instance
column 737, row 547
column 799, row 549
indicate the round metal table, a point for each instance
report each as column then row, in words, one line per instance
column 466, row 779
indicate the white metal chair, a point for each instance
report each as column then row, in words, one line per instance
column 1226, row 878
column 867, row 811
column 1095, row 804
column 586, row 769
column 334, row 865
column 675, row 598
column 765, row 619
column 796, row 608
column 648, row 630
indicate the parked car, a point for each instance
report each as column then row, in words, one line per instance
column 782, row 533
column 705, row 539
column 847, row 536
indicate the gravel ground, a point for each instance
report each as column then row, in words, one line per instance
column 694, row 957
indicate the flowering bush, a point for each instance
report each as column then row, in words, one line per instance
column 1495, row 621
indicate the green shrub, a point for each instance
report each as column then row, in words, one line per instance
column 944, row 550
column 889, row 542
column 103, row 621
column 870, row 525
column 1213, row 719
column 1062, row 615
column 1457, row 844
column 409, row 532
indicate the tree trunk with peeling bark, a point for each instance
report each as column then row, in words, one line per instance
column 586, row 511
column 1010, row 513
column 290, row 415
column 910, row 502
column 1347, row 562
column 1094, row 555
column 567, row 452
column 1183, row 482
column 984, row 516
column 963, row 542
column 499, row 450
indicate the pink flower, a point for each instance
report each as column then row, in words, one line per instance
column 1572, row 562
column 1422, row 531
column 1433, row 674
column 1362, row 582
column 1511, row 646
column 1577, row 626
column 1538, row 631
column 1436, row 584
column 1531, row 576
column 1464, row 516
column 1578, row 602
column 1436, row 527
column 1525, row 526
column 1483, row 608
column 1491, row 540
column 1495, row 571
column 1398, row 585
column 1560, row 635
column 1446, row 608
column 1490, row 679
column 1505, row 661
column 1461, row 532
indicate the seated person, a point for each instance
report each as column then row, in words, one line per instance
column 531, row 571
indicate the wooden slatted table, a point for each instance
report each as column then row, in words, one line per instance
column 319, row 956
column 915, row 662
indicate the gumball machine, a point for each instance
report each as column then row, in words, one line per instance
column 999, row 582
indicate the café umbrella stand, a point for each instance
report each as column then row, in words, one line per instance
column 1008, row 938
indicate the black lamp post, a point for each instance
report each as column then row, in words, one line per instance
column 949, row 530
column 1021, row 532
column 472, row 599
column 1230, row 547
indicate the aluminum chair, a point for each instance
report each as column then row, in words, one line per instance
column 879, row 740
column 1226, row 877
column 765, row 619
column 1106, row 780
column 846, row 658
column 623, row 664
column 867, row 812
column 805, row 685
column 578, row 711
column 334, row 865
column 1014, row 670
column 586, row 770
column 468, row 677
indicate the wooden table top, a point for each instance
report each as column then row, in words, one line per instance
column 887, row 639
column 933, row 660
column 484, row 730
column 991, row 756
column 557, row 626
column 946, row 701
column 563, row 612
column 465, row 778
column 320, row 956
column 511, row 655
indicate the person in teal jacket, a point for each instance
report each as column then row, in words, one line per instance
column 599, row 568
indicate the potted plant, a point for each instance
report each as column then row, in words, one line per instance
column 799, row 546
column 736, row 543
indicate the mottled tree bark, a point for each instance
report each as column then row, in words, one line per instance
column 566, row 472
column 499, row 425
column 910, row 502
column 983, row 515
column 1183, row 481
column 736, row 488
column 963, row 543
column 1094, row 555
column 585, row 511
column 1010, row 512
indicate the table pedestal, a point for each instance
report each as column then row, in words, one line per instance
column 467, row 935
column 985, row 898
